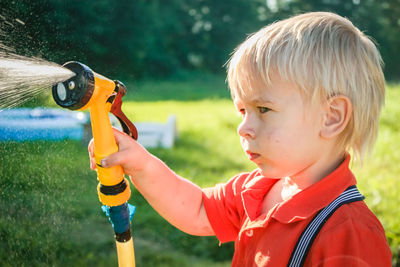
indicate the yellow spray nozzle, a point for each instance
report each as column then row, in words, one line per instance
column 90, row 90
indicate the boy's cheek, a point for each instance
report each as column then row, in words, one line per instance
column 274, row 137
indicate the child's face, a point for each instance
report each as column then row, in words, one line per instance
column 280, row 132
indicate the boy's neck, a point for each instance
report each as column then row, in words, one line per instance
column 311, row 175
column 287, row 187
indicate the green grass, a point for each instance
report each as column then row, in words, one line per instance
column 378, row 177
column 50, row 214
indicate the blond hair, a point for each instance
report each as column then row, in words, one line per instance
column 325, row 55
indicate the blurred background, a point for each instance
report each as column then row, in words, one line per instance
column 160, row 38
column 171, row 56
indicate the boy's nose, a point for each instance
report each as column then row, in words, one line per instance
column 245, row 129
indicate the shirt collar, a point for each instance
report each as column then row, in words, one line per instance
column 253, row 194
column 305, row 203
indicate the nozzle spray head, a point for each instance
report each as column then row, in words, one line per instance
column 75, row 92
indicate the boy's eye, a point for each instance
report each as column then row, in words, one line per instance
column 263, row 109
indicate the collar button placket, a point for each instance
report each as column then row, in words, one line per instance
column 249, row 233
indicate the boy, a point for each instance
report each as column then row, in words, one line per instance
column 309, row 89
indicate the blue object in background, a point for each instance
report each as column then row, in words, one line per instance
column 27, row 124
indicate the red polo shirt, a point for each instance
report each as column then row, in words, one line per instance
column 353, row 236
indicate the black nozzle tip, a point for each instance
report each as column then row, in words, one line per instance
column 75, row 92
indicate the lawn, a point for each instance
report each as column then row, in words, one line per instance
column 50, row 214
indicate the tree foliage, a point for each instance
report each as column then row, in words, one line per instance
column 156, row 38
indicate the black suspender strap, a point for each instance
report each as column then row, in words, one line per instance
column 309, row 234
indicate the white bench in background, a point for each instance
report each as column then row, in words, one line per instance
column 154, row 134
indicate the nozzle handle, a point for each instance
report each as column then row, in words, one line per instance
column 127, row 126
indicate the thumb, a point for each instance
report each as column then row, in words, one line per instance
column 112, row 160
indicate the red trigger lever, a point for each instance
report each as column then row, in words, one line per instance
column 127, row 126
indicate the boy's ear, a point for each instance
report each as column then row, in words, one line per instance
column 337, row 113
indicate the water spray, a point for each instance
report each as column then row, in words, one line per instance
column 23, row 78
column 90, row 90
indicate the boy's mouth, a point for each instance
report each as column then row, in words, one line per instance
column 252, row 156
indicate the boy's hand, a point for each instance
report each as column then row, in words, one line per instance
column 176, row 199
column 131, row 155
